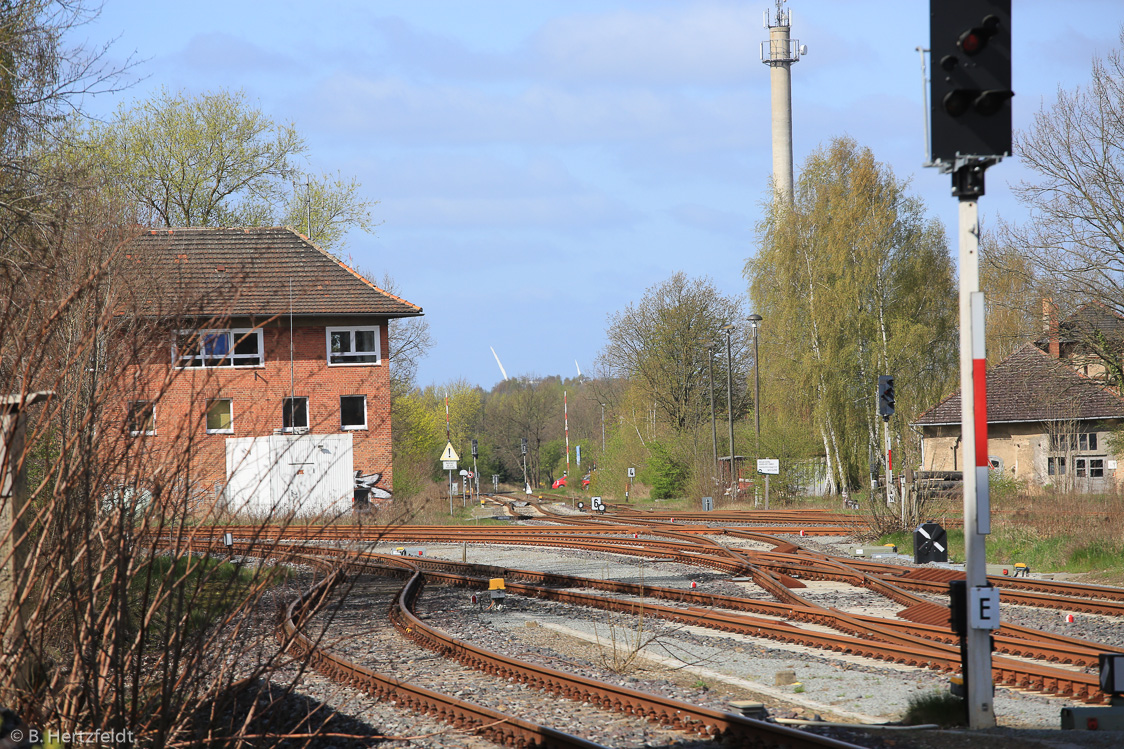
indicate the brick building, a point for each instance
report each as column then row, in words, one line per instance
column 270, row 341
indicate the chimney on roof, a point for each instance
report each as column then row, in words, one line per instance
column 1050, row 327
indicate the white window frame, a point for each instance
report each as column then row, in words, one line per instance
column 208, row 411
column 295, row 428
column 354, row 427
column 351, row 331
column 228, row 360
column 152, row 416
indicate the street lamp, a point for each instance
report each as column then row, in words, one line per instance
column 602, row 430
column 754, row 321
column 710, row 384
column 729, row 328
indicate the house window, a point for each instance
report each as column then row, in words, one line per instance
column 220, row 416
column 142, row 417
column 1079, row 467
column 353, row 411
column 294, row 414
column 1084, row 442
column 353, row 345
column 235, row 347
column 1096, row 468
column 1055, row 466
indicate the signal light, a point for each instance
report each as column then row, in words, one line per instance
column 970, row 41
column 886, row 396
column 975, row 39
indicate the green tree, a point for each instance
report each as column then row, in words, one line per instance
column 658, row 344
column 853, row 282
column 218, row 160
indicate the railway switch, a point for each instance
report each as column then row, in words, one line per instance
column 496, row 593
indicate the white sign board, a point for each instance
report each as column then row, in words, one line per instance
column 769, row 465
column 448, row 465
column 632, row 473
column 983, row 608
column 596, row 504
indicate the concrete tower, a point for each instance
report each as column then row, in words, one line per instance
column 779, row 53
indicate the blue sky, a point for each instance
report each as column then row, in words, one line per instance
column 540, row 163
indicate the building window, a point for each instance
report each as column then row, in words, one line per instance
column 235, row 347
column 1084, row 442
column 1079, row 468
column 220, row 416
column 353, row 411
column 1055, row 466
column 142, row 417
column 294, row 414
column 1096, row 468
column 353, row 345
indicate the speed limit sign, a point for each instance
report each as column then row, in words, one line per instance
column 632, row 473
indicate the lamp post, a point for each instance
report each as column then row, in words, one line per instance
column 602, row 429
column 710, row 386
column 729, row 328
column 754, row 321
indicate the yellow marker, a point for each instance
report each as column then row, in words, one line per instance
column 496, row 583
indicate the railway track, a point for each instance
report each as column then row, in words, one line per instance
column 1029, row 660
column 491, row 724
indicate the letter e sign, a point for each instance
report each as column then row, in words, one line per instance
column 983, row 608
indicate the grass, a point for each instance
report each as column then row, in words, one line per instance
column 213, row 587
column 1073, row 533
column 943, row 708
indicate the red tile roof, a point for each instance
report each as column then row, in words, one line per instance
column 249, row 271
column 1030, row 385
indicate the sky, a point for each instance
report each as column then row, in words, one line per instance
column 540, row 164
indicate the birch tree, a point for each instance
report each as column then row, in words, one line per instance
column 854, row 282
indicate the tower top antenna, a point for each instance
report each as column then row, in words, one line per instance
column 782, row 18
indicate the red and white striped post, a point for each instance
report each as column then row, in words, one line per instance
column 973, row 414
column 566, row 420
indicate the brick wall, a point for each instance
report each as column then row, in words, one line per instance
column 182, row 396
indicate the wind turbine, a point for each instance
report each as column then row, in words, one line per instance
column 502, row 370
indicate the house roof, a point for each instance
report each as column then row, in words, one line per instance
column 1030, row 385
column 250, row 271
column 1084, row 322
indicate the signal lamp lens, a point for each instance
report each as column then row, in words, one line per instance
column 971, row 42
column 990, row 102
column 958, row 102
